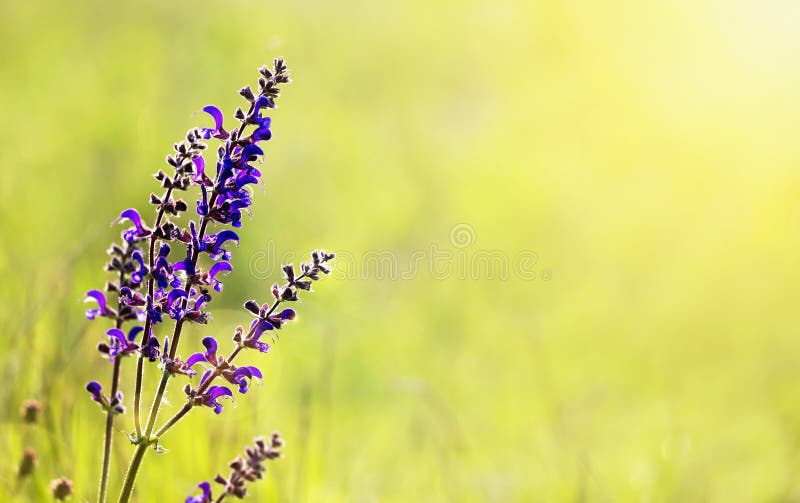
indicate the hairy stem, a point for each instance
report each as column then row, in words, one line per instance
column 109, row 430
column 133, row 468
column 138, row 454
column 109, row 433
column 137, row 397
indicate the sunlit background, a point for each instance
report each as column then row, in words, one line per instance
column 633, row 164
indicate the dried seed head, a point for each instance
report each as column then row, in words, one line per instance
column 27, row 464
column 61, row 488
column 30, row 411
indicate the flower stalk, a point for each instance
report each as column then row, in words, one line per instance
column 154, row 286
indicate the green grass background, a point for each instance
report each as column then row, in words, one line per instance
column 647, row 152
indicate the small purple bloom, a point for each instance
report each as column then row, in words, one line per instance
column 242, row 377
column 176, row 310
column 209, row 356
column 114, row 405
column 206, row 497
column 101, row 309
column 131, row 298
column 200, row 169
column 96, row 390
column 150, row 349
column 138, row 275
column 217, row 240
column 214, row 393
column 216, row 269
column 154, row 310
column 263, row 131
column 138, row 230
column 202, row 205
column 119, row 344
column 258, row 327
column 163, row 270
column 218, row 131
column 262, row 101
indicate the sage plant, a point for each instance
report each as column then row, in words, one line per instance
column 167, row 272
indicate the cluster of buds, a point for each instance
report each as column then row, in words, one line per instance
column 113, row 404
column 244, row 469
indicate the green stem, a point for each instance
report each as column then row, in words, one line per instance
column 144, row 442
column 133, row 468
column 109, row 433
column 137, row 397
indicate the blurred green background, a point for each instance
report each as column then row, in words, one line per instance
column 646, row 153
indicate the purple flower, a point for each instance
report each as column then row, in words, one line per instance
column 202, row 205
column 114, row 405
column 119, row 345
column 131, row 298
column 218, row 131
column 242, row 377
column 206, row 497
column 263, row 131
column 174, row 365
column 199, row 169
column 138, row 275
column 101, row 309
column 262, row 101
column 216, row 269
column 138, row 231
column 96, row 390
column 150, row 349
column 163, row 270
column 215, row 242
column 154, row 310
column 196, row 314
column 174, row 304
column 258, row 327
column 214, row 393
column 186, row 265
column 210, row 354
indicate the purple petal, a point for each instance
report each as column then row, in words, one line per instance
column 262, row 101
column 288, row 314
column 200, row 168
column 132, row 215
column 215, row 392
column 251, row 150
column 243, row 180
column 174, row 295
column 226, row 235
column 219, row 267
column 249, row 371
column 118, row 334
column 211, row 344
column 99, row 297
column 216, row 114
column 197, row 357
column 261, row 327
column 134, row 332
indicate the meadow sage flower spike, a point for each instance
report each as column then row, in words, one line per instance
column 166, row 272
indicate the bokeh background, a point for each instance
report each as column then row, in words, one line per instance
column 642, row 156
